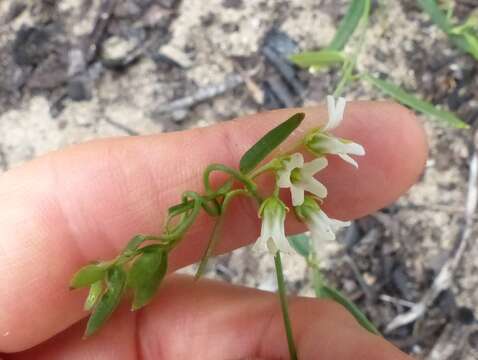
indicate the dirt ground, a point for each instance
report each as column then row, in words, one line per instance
column 77, row 70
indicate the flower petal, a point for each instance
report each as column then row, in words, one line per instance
column 353, row 148
column 314, row 166
column 295, row 161
column 272, row 247
column 348, row 159
column 283, row 245
column 336, row 112
column 315, row 187
column 284, row 179
column 297, row 194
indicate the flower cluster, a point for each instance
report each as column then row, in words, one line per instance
column 307, row 193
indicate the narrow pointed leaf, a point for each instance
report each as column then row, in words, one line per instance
column 115, row 284
column 88, row 275
column 146, row 275
column 94, row 295
column 327, row 292
column 316, row 59
column 356, row 11
column 415, row 103
column 441, row 20
column 269, row 142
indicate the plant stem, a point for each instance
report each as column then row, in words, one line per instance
column 284, row 307
column 214, row 238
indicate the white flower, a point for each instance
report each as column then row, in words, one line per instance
column 322, row 142
column 321, row 227
column 299, row 177
column 273, row 237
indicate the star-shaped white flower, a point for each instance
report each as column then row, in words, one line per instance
column 322, row 142
column 273, row 236
column 299, row 177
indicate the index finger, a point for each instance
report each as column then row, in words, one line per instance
column 85, row 202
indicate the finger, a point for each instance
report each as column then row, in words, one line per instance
column 85, row 202
column 212, row 320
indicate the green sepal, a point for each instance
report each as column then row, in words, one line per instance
column 310, row 205
column 88, row 275
column 355, row 12
column 146, row 275
column 415, row 103
column 109, row 301
column 96, row 290
column 269, row 142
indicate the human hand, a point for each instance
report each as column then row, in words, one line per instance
column 85, row 202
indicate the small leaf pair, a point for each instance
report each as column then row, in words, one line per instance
column 105, row 302
column 146, row 275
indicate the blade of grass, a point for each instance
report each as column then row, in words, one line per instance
column 441, row 20
column 357, row 9
column 415, row 103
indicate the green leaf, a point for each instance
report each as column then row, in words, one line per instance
column 269, row 142
column 327, row 292
column 301, row 244
column 94, row 295
column 356, row 11
column 316, row 59
column 472, row 41
column 88, row 275
column 146, row 275
column 115, row 284
column 440, row 19
column 415, row 103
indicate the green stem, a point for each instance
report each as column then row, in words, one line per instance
column 215, row 231
column 274, row 164
column 350, row 66
column 284, row 307
column 248, row 183
column 173, row 237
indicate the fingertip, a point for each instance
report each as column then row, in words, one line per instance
column 395, row 155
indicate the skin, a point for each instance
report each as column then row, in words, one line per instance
column 85, row 202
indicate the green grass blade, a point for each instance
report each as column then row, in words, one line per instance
column 415, row 103
column 441, row 20
column 269, row 142
column 357, row 9
column 333, row 294
column 320, row 58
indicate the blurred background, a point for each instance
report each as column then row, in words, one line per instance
column 76, row 70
